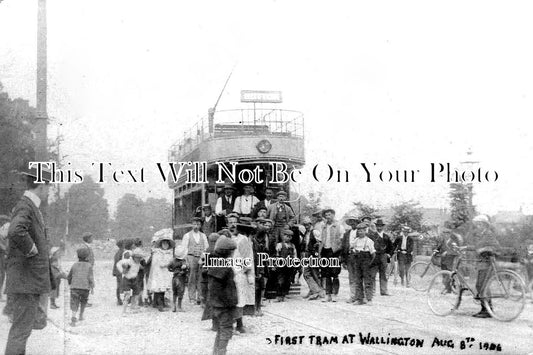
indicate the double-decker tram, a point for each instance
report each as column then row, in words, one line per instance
column 243, row 145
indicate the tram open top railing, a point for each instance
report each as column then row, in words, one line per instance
column 239, row 122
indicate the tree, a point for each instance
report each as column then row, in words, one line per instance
column 366, row 210
column 17, row 119
column 408, row 213
column 130, row 219
column 462, row 209
column 314, row 200
column 87, row 212
column 140, row 219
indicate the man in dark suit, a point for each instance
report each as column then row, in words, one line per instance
column 208, row 221
column 383, row 246
column 403, row 246
column 269, row 193
column 28, row 265
column 224, row 205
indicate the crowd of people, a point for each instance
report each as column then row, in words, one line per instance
column 241, row 227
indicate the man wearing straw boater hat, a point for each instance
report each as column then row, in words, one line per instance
column 28, row 280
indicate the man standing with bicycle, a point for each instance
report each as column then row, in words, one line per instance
column 486, row 245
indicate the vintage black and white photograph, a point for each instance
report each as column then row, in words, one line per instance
column 266, row 177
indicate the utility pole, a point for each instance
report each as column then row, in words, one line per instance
column 42, row 115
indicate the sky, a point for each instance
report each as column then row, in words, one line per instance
column 400, row 84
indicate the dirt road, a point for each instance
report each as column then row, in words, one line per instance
column 400, row 322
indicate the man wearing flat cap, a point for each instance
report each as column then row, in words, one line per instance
column 383, row 246
column 403, row 246
column 195, row 244
column 331, row 247
column 28, row 266
column 224, row 205
column 280, row 213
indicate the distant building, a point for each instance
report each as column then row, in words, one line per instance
column 509, row 217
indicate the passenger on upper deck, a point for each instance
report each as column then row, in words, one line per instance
column 244, row 204
column 224, row 205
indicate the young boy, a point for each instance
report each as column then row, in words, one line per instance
column 284, row 250
column 222, row 295
column 130, row 284
column 81, row 280
column 179, row 268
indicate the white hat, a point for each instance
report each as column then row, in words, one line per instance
column 179, row 252
column 137, row 252
column 481, row 218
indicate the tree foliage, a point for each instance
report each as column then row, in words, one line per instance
column 366, row 210
column 314, row 200
column 409, row 213
column 17, row 119
column 461, row 209
column 87, row 212
column 136, row 218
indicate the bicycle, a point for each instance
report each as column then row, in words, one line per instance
column 421, row 273
column 392, row 269
column 503, row 291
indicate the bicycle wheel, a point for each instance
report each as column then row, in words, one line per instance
column 442, row 300
column 420, row 274
column 504, row 295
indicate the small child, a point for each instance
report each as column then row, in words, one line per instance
column 130, row 285
column 81, row 280
column 285, row 249
column 222, row 295
column 180, row 269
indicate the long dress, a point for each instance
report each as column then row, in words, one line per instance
column 160, row 279
column 245, row 289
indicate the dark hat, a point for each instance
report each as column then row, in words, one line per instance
column 281, row 192
column 46, row 173
column 224, row 232
column 207, row 207
column 213, row 237
column 196, row 219
column 317, row 214
column 362, row 225
column 260, row 220
column 86, row 236
column 233, row 214
column 246, row 222
column 170, row 241
column 379, row 222
column 262, row 207
column 352, row 218
column 406, row 228
column 327, row 209
column 229, row 186
column 225, row 243
column 83, row 254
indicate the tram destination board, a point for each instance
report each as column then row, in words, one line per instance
column 259, row 96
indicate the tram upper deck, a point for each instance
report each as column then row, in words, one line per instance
column 243, row 135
